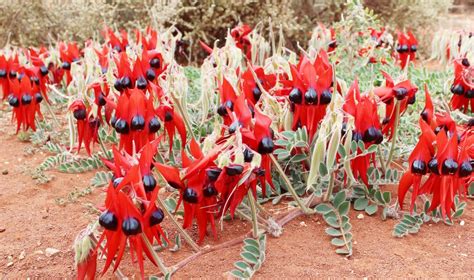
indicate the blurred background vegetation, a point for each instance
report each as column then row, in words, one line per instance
column 41, row 22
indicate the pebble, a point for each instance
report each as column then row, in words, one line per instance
column 22, row 255
column 461, row 223
column 49, row 252
column 5, row 172
column 360, row 216
column 9, row 264
column 2, row 229
column 303, row 224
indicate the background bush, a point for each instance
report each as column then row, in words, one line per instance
column 37, row 22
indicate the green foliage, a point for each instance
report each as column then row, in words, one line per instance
column 253, row 256
column 336, row 216
column 101, row 178
column 83, row 164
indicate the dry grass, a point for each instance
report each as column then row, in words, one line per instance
column 40, row 22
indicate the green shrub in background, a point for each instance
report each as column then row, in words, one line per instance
column 36, row 22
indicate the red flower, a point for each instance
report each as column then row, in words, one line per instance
column 406, row 48
column 87, row 125
column 367, row 128
column 8, row 73
column 463, row 85
column 118, row 43
column 249, row 85
column 196, row 186
column 310, row 91
column 449, row 167
column 68, row 54
column 103, row 57
column 25, row 99
column 240, row 34
column 88, row 267
column 403, row 91
column 122, row 221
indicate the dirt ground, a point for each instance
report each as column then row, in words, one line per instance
column 32, row 220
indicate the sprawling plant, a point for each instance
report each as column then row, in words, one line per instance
column 319, row 129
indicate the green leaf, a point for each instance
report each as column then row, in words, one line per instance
column 333, row 232
column 323, row 170
column 339, row 198
column 338, row 242
column 343, row 251
column 387, row 197
column 332, row 222
column 238, row 274
column 323, row 208
column 342, row 151
column 252, row 249
column 242, row 265
column 361, row 203
column 371, row 209
column 343, row 208
column 249, row 257
column 252, row 242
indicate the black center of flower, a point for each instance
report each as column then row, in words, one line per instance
column 101, row 99
column 13, row 101
column 80, row 114
column 150, row 74
column 156, row 217
column 117, row 181
column 118, row 85
column 44, row 70
column 190, row 195
column 126, row 82
column 3, row 73
column 465, row 62
column 149, row 182
column 256, row 92
column 296, row 96
column 465, row 169
column 213, row 173
column 131, row 226
column 66, row 65
column 248, row 155
column 400, row 93
column 26, row 99
column 234, row 169
column 155, row 62
column 433, row 166
column 141, row 83
column 311, row 97
column 418, row 167
column 265, row 146
column 121, row 126
column 154, row 125
column 168, row 116
column 138, row 122
column 413, row 48
column 449, row 166
column 457, row 89
column 209, row 190
column 108, row 220
column 325, row 97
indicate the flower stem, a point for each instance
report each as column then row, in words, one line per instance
column 395, row 134
column 327, row 196
column 253, row 209
column 157, row 259
column 185, row 235
column 382, row 163
column 290, row 187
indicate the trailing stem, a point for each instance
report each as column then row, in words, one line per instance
column 157, row 259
